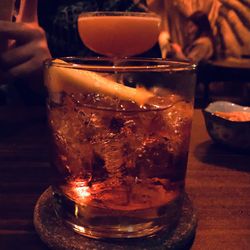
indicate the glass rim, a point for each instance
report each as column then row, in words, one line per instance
column 83, row 63
column 119, row 13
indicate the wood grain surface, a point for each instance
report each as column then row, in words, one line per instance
column 218, row 182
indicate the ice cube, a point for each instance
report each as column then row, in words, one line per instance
column 178, row 120
column 99, row 171
column 154, row 158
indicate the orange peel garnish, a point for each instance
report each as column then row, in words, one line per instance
column 59, row 78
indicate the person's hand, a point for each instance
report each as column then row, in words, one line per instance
column 27, row 52
column 176, row 48
column 176, row 51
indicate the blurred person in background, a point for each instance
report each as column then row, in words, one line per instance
column 199, row 40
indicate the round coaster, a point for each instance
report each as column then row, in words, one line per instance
column 58, row 236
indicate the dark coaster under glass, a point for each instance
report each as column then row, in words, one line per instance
column 53, row 231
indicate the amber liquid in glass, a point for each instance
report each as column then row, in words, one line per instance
column 122, row 168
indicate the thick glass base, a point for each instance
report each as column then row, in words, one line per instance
column 57, row 235
column 99, row 222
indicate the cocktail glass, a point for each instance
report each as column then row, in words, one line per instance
column 119, row 34
column 120, row 150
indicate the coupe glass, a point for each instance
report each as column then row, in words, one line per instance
column 119, row 34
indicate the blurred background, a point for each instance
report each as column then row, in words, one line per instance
column 214, row 34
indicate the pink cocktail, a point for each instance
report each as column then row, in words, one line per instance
column 119, row 34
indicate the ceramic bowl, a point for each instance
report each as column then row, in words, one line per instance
column 234, row 134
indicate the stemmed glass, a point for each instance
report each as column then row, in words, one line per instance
column 119, row 34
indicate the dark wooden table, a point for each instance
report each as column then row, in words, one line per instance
column 218, row 182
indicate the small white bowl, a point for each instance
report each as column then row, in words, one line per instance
column 234, row 134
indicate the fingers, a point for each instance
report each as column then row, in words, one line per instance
column 19, row 64
column 28, row 51
column 27, row 65
column 21, row 32
column 15, row 56
column 31, row 71
column 26, row 69
column 20, row 54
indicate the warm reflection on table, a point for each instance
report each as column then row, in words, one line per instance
column 218, row 182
